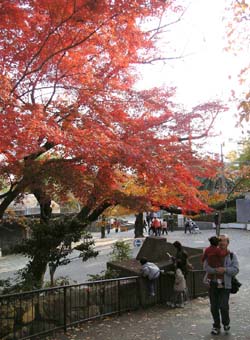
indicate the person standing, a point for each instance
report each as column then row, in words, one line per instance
column 179, row 297
column 103, row 227
column 116, row 225
column 164, row 227
column 219, row 295
column 156, row 225
column 171, row 222
column 181, row 258
column 148, row 219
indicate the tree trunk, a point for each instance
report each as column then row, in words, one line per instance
column 139, row 225
column 52, row 270
column 45, row 205
column 102, row 232
column 36, row 271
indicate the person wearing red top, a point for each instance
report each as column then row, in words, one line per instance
column 215, row 258
column 156, row 224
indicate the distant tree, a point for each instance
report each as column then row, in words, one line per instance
column 237, row 20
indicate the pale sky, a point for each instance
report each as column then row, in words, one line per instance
column 203, row 75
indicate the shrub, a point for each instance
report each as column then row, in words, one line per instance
column 104, row 275
column 227, row 216
column 121, row 251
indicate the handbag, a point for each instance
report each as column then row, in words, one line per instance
column 235, row 285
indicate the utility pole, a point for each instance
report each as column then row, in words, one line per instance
column 223, row 189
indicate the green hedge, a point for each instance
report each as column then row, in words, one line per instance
column 227, row 216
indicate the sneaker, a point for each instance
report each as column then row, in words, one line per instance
column 215, row 331
column 180, row 305
column 227, row 329
column 170, row 304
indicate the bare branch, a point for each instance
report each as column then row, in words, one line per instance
column 160, row 27
column 150, row 61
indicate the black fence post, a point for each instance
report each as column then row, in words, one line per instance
column 65, row 309
column 139, row 291
column 119, row 297
column 194, row 286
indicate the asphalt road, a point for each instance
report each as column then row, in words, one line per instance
column 77, row 270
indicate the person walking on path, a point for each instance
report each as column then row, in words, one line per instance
column 219, row 297
column 215, row 256
column 151, row 229
column 187, row 226
column 151, row 271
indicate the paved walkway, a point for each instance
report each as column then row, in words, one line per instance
column 160, row 323
column 191, row 323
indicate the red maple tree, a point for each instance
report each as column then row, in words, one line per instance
column 71, row 119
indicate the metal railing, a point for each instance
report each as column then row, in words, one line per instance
column 35, row 313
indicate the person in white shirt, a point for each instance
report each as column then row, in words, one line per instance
column 151, row 271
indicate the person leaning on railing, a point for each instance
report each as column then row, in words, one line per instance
column 150, row 271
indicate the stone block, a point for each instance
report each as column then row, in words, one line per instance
column 7, row 319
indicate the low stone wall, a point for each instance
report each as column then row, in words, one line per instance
column 243, row 226
column 234, row 225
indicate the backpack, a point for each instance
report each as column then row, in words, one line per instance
column 235, row 283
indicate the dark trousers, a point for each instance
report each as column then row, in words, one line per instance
column 219, row 306
column 164, row 230
column 152, row 287
column 157, row 231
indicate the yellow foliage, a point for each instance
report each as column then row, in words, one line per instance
column 213, row 198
